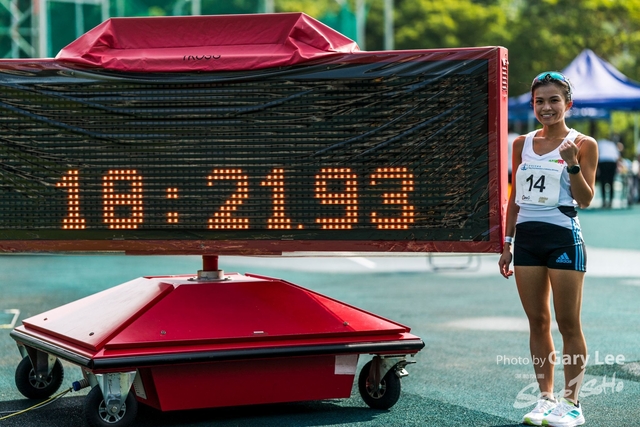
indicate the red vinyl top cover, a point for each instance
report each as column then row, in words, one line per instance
column 206, row 43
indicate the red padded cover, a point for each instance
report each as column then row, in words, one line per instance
column 206, row 43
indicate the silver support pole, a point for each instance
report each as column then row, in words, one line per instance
column 41, row 20
column 360, row 24
column 196, row 8
column 388, row 25
column 43, row 29
column 15, row 27
column 105, row 10
column 269, row 6
column 79, row 20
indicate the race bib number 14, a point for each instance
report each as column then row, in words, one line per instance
column 539, row 183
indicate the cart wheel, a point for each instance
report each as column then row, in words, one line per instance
column 33, row 387
column 383, row 398
column 96, row 414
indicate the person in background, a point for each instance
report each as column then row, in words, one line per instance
column 635, row 171
column 554, row 173
column 608, row 157
column 625, row 173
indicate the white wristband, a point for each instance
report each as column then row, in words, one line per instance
column 508, row 239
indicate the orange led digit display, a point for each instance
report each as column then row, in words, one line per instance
column 73, row 220
column 224, row 219
column 115, row 201
column 327, row 178
column 400, row 198
column 278, row 220
column 172, row 217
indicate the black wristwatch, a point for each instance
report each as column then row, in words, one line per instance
column 573, row 169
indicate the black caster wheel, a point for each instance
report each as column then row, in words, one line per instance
column 33, row 387
column 97, row 415
column 387, row 394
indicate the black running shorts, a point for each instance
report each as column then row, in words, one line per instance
column 549, row 245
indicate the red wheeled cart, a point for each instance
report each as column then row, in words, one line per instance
column 162, row 341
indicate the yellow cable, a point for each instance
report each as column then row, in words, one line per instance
column 49, row 400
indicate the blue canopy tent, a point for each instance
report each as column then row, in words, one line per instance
column 598, row 89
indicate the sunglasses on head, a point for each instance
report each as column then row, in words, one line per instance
column 553, row 75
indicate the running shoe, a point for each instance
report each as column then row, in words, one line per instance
column 565, row 414
column 542, row 409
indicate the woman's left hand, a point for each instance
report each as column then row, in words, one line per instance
column 569, row 152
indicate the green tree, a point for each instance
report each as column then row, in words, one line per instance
column 424, row 24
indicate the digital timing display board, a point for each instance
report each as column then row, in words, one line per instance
column 376, row 151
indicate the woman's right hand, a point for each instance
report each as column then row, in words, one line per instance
column 505, row 262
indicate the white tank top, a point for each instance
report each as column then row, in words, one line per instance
column 542, row 185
